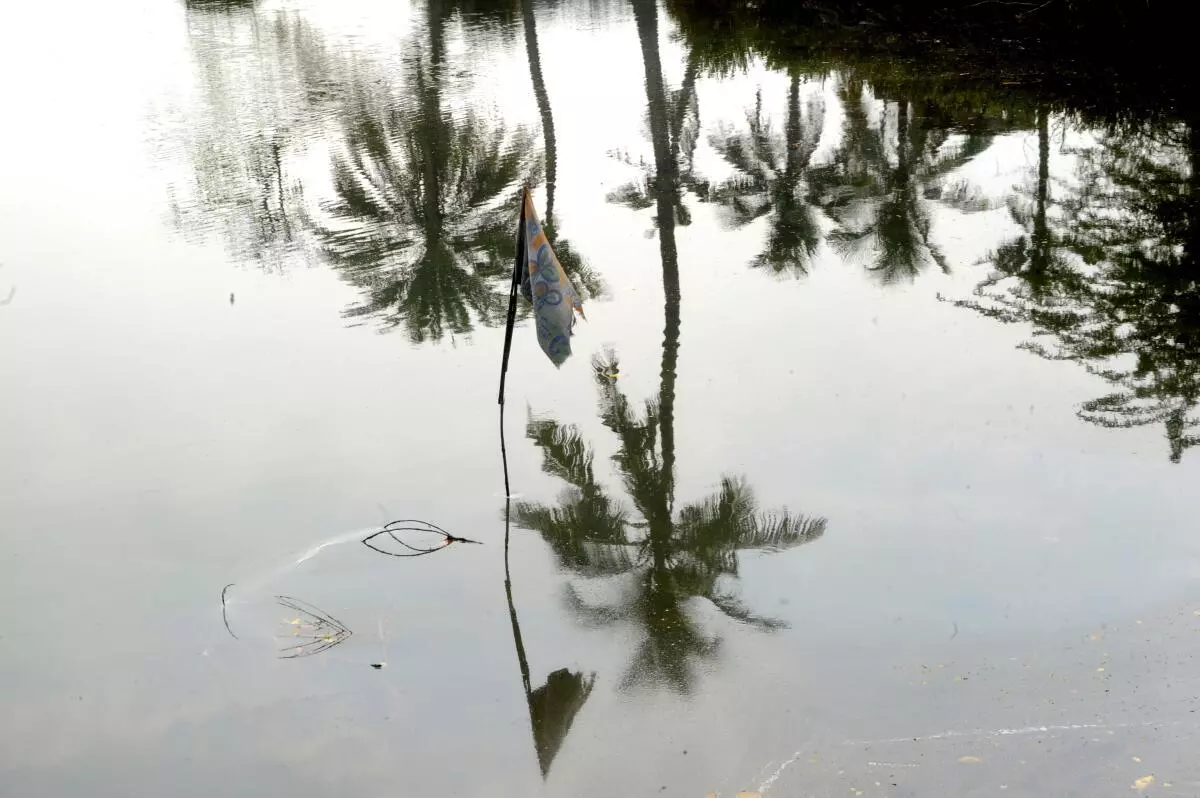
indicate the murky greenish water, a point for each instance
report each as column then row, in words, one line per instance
column 870, row 473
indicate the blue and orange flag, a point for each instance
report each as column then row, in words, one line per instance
column 546, row 285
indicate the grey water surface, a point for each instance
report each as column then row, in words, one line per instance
column 870, row 473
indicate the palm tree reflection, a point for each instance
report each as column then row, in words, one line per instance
column 664, row 557
column 674, row 120
column 880, row 201
column 661, row 559
column 419, row 224
column 769, row 181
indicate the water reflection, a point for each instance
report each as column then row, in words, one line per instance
column 553, row 705
column 371, row 139
column 659, row 557
column 1104, row 275
column 263, row 89
column 674, row 122
column 1036, row 255
column 422, row 192
column 1111, row 282
column 879, row 186
column 874, row 192
column 769, row 180
column 587, row 283
column 418, row 224
column 418, row 214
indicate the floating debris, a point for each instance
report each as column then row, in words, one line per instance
column 253, row 604
column 316, row 629
column 414, row 539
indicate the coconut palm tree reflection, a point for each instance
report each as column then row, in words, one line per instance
column 660, row 557
column 770, row 180
column 419, row 223
column 674, row 133
column 878, row 195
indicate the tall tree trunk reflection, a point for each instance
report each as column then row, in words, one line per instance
column 533, row 53
column 669, row 557
column 587, row 282
column 667, row 197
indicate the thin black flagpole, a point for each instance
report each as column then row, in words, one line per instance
column 518, row 264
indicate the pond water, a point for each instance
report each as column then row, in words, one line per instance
column 869, row 474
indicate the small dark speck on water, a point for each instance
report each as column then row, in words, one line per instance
column 231, row 298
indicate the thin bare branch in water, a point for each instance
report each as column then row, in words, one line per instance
column 321, row 630
column 224, row 613
column 414, row 527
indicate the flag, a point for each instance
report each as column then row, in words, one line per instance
column 545, row 284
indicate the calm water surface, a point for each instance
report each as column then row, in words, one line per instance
column 870, row 473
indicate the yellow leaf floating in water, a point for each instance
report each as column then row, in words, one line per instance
column 1142, row 783
column 969, row 760
column 747, row 795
